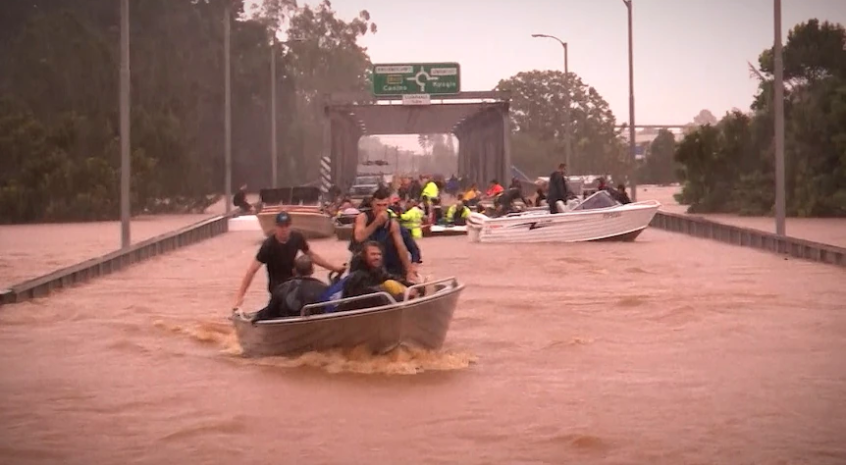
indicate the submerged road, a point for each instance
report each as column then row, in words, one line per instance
column 668, row 350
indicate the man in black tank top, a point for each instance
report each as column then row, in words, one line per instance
column 376, row 225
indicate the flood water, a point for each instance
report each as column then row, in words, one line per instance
column 28, row 251
column 669, row 350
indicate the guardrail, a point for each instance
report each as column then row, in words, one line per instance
column 746, row 237
column 114, row 261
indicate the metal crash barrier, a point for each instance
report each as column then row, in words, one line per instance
column 114, row 261
column 746, row 237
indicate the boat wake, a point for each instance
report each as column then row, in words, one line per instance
column 399, row 361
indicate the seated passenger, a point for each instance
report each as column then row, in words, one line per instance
column 289, row 298
column 540, row 196
column 457, row 213
column 505, row 202
column 371, row 277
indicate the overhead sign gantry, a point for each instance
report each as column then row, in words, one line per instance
column 400, row 102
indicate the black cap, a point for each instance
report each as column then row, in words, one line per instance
column 283, row 219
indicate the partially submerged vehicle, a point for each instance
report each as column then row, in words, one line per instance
column 303, row 204
column 597, row 218
column 364, row 186
column 383, row 325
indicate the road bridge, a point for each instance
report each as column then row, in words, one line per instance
column 480, row 121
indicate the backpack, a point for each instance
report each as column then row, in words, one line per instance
column 335, row 291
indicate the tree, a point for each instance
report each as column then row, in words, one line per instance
column 59, row 84
column 325, row 58
column 538, row 99
column 730, row 167
column 660, row 166
column 704, row 117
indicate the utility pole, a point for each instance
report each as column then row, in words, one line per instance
column 274, row 159
column 568, row 148
column 632, row 143
column 778, row 103
column 228, row 108
column 125, row 162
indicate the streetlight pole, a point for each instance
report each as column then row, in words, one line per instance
column 125, row 163
column 227, row 108
column 778, row 103
column 632, row 144
column 274, row 159
column 568, row 149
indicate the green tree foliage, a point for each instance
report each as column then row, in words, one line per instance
column 660, row 166
column 730, row 167
column 59, row 136
column 323, row 56
column 539, row 99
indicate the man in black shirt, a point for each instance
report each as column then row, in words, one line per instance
column 277, row 253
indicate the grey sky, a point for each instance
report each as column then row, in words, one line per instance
column 689, row 54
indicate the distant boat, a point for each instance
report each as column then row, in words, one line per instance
column 597, row 218
column 303, row 204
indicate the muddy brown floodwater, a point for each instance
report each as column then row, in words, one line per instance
column 669, row 350
column 31, row 250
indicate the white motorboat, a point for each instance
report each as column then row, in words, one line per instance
column 447, row 230
column 597, row 218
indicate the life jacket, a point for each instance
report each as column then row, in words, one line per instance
column 413, row 221
column 431, row 190
column 451, row 213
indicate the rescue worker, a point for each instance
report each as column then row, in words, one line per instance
column 430, row 190
column 457, row 213
column 412, row 219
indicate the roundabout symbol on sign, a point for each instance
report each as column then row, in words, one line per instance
column 422, row 84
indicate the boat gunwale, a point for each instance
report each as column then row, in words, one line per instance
column 447, row 291
column 533, row 216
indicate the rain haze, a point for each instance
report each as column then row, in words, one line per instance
column 688, row 55
column 217, row 248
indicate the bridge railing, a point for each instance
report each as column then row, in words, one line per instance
column 747, row 237
column 114, row 261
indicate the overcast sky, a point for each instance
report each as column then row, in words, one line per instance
column 688, row 54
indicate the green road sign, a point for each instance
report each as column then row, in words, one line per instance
column 416, row 78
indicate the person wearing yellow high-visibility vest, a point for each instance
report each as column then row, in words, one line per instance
column 412, row 219
column 457, row 213
column 430, row 190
